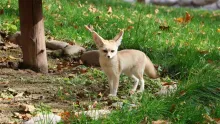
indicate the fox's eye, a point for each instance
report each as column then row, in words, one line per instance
column 105, row 51
column 112, row 51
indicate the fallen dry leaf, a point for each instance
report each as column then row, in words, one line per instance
column 83, row 71
column 160, row 122
column 65, row 115
column 9, row 45
column 149, row 15
column 12, row 57
column 218, row 30
column 156, row 11
column 92, row 9
column 203, row 51
column 60, row 7
column 89, row 28
column 94, row 114
column 144, row 121
column 1, row 11
column 217, row 120
column 180, row 19
column 109, row 10
column 185, row 19
column 182, row 93
column 19, row 94
column 130, row 27
column 27, row 108
column 130, row 21
column 4, row 83
column 208, row 118
column 209, row 61
column 164, row 27
column 17, row 115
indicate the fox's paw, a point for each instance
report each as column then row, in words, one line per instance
column 111, row 95
column 140, row 91
column 132, row 92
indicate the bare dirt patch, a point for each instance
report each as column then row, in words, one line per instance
column 19, row 87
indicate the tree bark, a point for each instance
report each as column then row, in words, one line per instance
column 32, row 35
column 141, row 1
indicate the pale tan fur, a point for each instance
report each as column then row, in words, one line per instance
column 133, row 63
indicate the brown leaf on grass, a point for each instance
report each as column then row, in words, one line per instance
column 164, row 27
column 1, row 11
column 130, row 21
column 144, row 121
column 82, row 71
column 182, row 93
column 156, row 11
column 218, row 30
column 208, row 118
column 9, row 45
column 217, row 120
column 203, row 51
column 3, row 60
column 172, row 107
column 19, row 94
column 185, row 19
column 4, row 83
column 89, row 28
column 210, row 61
column 149, row 15
column 12, row 57
column 60, row 7
column 109, row 10
column 160, row 122
column 59, row 67
column 100, row 94
column 27, row 108
column 65, row 115
column 80, row 5
column 94, row 104
column 47, row 7
column 25, row 116
column 92, row 9
column 130, row 27
column 17, row 115
column 168, row 83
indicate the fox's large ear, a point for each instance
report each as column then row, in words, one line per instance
column 97, row 39
column 118, row 38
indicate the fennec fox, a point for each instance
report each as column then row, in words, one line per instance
column 132, row 63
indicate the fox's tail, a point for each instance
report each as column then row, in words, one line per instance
column 149, row 69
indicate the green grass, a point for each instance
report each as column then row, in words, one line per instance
column 187, row 52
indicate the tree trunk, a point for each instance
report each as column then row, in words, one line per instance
column 32, row 35
column 141, row 1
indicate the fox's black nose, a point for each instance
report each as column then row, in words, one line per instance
column 108, row 56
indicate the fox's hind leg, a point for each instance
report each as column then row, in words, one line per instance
column 136, row 81
column 139, row 75
column 142, row 86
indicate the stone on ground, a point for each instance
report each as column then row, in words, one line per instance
column 91, row 58
column 55, row 45
column 44, row 119
column 73, row 50
column 15, row 38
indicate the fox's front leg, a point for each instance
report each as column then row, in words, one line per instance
column 113, row 81
column 115, row 85
column 110, row 83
